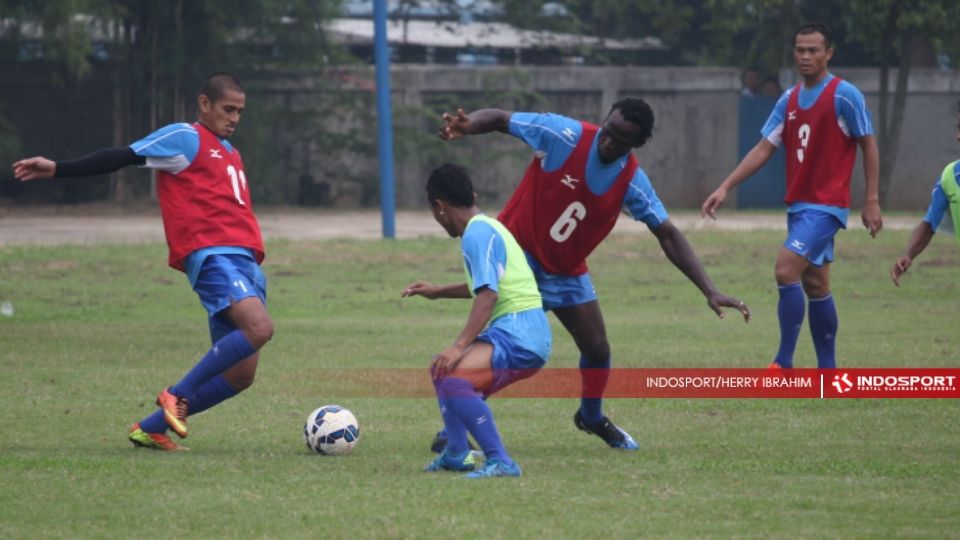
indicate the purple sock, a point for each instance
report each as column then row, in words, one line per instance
column 593, row 381
column 224, row 354
column 475, row 414
column 790, row 311
column 823, row 328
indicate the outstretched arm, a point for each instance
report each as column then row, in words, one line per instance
column 750, row 164
column 460, row 124
column 870, row 216
column 918, row 242
column 103, row 161
column 432, row 292
column 678, row 250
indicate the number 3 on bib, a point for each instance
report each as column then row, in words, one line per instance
column 804, row 135
column 568, row 221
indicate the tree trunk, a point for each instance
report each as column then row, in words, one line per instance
column 884, row 125
column 889, row 157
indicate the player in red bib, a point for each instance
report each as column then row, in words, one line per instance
column 581, row 178
column 213, row 238
column 820, row 123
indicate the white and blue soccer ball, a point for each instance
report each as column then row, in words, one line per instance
column 331, row 430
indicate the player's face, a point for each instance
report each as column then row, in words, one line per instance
column 222, row 115
column 617, row 137
column 811, row 54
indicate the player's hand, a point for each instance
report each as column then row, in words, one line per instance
column 422, row 288
column 713, row 203
column 900, row 268
column 34, row 168
column 454, row 126
column 720, row 300
column 445, row 361
column 871, row 218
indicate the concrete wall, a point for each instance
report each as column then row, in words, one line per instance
column 693, row 148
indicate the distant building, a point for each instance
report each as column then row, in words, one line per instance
column 455, row 42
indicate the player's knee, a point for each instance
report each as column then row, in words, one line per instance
column 815, row 287
column 598, row 353
column 785, row 273
column 259, row 332
column 241, row 381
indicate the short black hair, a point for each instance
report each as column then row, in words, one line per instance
column 218, row 84
column 813, row 28
column 638, row 112
column 451, row 184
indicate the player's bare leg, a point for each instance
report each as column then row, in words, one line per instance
column 585, row 324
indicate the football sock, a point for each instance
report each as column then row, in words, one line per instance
column 226, row 352
column 454, row 429
column 474, row 413
column 823, row 328
column 593, row 380
column 790, row 311
column 154, row 423
column 212, row 392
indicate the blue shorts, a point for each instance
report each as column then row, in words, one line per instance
column 224, row 279
column 521, row 345
column 560, row 291
column 810, row 234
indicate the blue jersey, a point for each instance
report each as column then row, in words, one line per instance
column 853, row 118
column 485, row 259
column 173, row 148
column 939, row 204
column 553, row 137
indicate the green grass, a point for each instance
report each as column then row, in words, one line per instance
column 99, row 329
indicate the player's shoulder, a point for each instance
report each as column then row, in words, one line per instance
column 849, row 90
column 176, row 129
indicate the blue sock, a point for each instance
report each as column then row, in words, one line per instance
column 823, row 328
column 212, row 392
column 465, row 402
column 154, row 423
column 790, row 311
column 454, row 429
column 226, row 352
column 593, row 381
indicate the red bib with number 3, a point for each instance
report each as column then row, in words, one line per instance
column 820, row 156
column 208, row 203
column 556, row 218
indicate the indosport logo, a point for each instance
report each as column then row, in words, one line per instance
column 842, row 383
column 878, row 383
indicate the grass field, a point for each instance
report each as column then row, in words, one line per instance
column 98, row 330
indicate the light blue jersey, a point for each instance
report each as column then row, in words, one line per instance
column 939, row 204
column 853, row 118
column 172, row 149
column 553, row 138
column 485, row 259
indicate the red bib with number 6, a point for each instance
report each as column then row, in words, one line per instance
column 208, row 203
column 556, row 218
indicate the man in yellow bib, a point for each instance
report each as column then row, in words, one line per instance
column 506, row 337
column 946, row 195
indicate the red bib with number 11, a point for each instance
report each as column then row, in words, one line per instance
column 208, row 203
column 556, row 218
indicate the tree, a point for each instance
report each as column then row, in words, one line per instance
column 898, row 32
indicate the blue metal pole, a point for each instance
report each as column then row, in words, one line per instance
column 384, row 118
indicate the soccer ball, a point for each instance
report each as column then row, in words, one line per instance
column 331, row 430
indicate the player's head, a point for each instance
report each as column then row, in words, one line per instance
column 450, row 192
column 221, row 102
column 812, row 49
column 628, row 125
